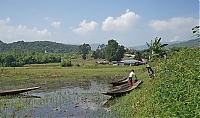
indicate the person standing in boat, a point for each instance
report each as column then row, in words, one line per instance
column 131, row 75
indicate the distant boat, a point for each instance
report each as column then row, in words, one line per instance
column 16, row 91
column 122, row 89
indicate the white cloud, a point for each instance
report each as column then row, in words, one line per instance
column 85, row 28
column 5, row 21
column 12, row 33
column 56, row 24
column 122, row 23
column 199, row 22
column 175, row 28
column 177, row 25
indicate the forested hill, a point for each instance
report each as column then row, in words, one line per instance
column 190, row 43
column 39, row 46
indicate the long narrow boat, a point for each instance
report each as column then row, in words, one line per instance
column 17, row 91
column 120, row 82
column 122, row 89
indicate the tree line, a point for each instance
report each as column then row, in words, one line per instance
column 17, row 58
column 115, row 52
column 110, row 52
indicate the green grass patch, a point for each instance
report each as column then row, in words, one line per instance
column 19, row 77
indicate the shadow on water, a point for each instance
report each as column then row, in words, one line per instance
column 73, row 100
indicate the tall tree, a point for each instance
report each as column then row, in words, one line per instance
column 10, row 60
column 84, row 50
column 120, row 52
column 114, row 52
column 99, row 52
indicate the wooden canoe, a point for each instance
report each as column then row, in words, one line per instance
column 17, row 91
column 120, row 82
column 122, row 89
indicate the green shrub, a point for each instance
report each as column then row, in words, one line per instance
column 66, row 63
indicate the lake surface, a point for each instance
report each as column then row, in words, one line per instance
column 73, row 100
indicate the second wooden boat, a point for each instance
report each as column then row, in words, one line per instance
column 120, row 82
column 16, row 91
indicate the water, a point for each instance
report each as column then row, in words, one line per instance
column 67, row 101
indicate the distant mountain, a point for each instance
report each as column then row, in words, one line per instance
column 39, row 46
column 190, row 43
column 143, row 47
column 140, row 47
column 1, row 42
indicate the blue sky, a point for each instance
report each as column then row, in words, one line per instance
column 130, row 22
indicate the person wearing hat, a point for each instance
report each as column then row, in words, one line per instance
column 150, row 71
column 131, row 76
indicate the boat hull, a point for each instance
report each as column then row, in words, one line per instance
column 122, row 89
column 120, row 82
column 17, row 91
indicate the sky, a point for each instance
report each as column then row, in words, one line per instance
column 129, row 22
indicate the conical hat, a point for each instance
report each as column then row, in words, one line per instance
column 148, row 66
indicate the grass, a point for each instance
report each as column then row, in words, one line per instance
column 41, row 73
column 175, row 91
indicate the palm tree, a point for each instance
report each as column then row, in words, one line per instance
column 156, row 48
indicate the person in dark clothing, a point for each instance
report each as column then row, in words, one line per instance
column 150, row 71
